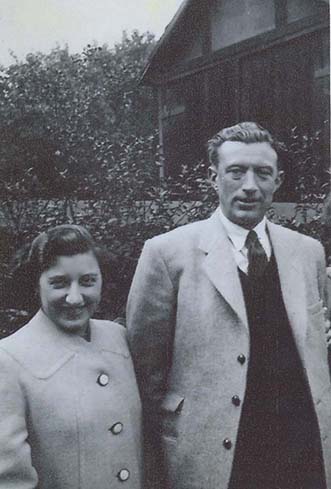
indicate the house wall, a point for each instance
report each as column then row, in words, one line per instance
column 193, row 50
column 298, row 9
column 279, row 78
column 233, row 21
column 183, row 121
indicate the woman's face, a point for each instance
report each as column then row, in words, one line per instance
column 70, row 291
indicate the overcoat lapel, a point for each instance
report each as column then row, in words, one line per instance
column 221, row 267
column 292, row 280
column 222, row 270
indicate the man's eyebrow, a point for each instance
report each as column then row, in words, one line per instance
column 244, row 165
column 266, row 165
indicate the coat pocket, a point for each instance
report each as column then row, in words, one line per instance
column 315, row 308
column 172, row 403
column 171, row 410
column 317, row 324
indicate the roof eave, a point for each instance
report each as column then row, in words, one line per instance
column 145, row 77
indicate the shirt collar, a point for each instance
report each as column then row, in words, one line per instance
column 238, row 234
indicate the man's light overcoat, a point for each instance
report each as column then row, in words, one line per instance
column 189, row 334
column 56, row 419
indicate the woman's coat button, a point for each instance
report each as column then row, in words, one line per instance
column 123, row 475
column 117, row 428
column 103, row 380
column 236, row 400
column 227, row 443
column 241, row 358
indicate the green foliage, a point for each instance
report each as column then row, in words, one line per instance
column 63, row 115
column 311, row 186
column 307, row 161
column 127, row 204
column 79, row 145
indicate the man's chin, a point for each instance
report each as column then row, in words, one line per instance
column 247, row 219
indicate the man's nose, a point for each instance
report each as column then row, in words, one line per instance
column 249, row 183
column 74, row 296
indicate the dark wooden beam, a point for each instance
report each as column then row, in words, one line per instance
column 258, row 43
column 237, row 84
column 280, row 13
column 206, row 100
column 206, row 41
column 161, row 140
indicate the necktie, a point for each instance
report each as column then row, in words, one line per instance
column 257, row 258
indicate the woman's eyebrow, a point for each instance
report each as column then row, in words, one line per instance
column 56, row 277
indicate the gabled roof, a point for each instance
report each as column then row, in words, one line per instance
column 164, row 39
column 169, row 33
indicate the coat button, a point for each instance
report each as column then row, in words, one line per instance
column 117, row 428
column 103, row 380
column 236, row 400
column 227, row 443
column 123, row 475
column 241, row 358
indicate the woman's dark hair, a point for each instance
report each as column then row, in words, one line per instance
column 63, row 240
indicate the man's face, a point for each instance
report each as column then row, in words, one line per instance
column 246, row 179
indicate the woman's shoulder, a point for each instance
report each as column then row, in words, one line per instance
column 12, row 348
column 37, row 348
column 13, row 341
column 110, row 336
column 109, row 326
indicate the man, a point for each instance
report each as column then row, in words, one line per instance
column 227, row 332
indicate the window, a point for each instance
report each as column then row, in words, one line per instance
column 173, row 101
column 183, row 123
column 299, row 9
column 233, row 21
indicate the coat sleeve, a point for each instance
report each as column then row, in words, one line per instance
column 151, row 313
column 321, row 275
column 324, row 294
column 16, row 468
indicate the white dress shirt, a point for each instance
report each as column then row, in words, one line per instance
column 237, row 236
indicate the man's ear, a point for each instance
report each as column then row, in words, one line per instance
column 212, row 176
column 279, row 179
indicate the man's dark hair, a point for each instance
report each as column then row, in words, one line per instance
column 244, row 132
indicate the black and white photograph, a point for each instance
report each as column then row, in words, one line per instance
column 165, row 244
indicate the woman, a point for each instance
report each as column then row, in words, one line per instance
column 70, row 414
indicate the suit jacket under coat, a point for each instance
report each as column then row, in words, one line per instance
column 187, row 326
column 55, row 418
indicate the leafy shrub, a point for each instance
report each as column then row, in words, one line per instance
column 311, row 187
column 78, row 146
column 128, row 204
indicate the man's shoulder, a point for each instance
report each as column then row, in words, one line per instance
column 179, row 244
column 294, row 236
column 182, row 234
